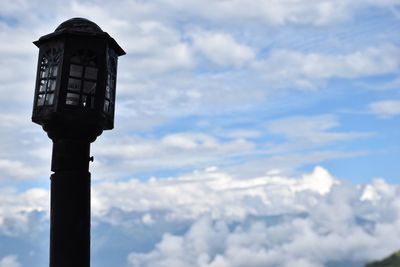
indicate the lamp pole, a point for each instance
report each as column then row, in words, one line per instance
column 70, row 195
column 74, row 102
column 70, row 203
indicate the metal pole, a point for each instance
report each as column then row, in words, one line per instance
column 70, row 204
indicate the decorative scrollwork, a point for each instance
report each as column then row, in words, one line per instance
column 84, row 57
column 53, row 55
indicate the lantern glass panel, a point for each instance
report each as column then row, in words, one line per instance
column 111, row 78
column 49, row 99
column 42, row 86
column 75, row 71
column 106, row 106
column 40, row 101
column 89, row 87
column 74, row 84
column 82, row 81
column 72, row 99
column 91, row 73
column 51, row 85
column 49, row 66
column 54, row 71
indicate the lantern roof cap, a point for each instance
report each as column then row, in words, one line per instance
column 80, row 25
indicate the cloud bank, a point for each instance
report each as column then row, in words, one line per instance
column 274, row 221
column 211, row 219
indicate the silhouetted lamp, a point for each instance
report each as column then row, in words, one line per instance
column 76, row 76
column 74, row 102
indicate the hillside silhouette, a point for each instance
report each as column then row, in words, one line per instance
column 391, row 261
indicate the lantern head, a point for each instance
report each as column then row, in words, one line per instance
column 76, row 78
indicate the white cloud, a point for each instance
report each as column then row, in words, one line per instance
column 147, row 219
column 298, row 243
column 385, row 108
column 303, row 70
column 365, row 229
column 213, row 193
column 23, row 213
column 150, row 36
column 222, row 49
column 13, row 121
column 153, row 48
column 10, row 261
column 377, row 190
column 269, row 220
column 17, row 169
column 21, row 148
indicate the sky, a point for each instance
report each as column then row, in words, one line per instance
column 249, row 133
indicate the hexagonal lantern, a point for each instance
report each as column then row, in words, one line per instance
column 76, row 77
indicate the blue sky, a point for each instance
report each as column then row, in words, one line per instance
column 234, row 117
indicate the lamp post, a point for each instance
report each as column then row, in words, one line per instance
column 74, row 102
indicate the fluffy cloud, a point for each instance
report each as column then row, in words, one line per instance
column 211, row 192
column 211, row 219
column 339, row 214
column 298, row 243
column 22, row 213
column 10, row 261
column 385, row 108
column 222, row 49
column 157, row 48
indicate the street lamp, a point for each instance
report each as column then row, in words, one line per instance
column 74, row 102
